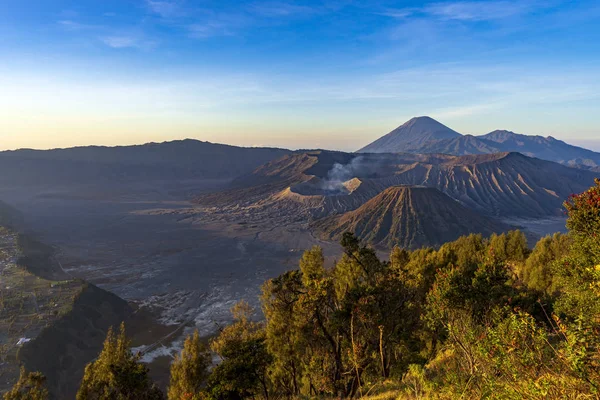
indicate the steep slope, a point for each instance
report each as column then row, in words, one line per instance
column 459, row 146
column 64, row 347
column 62, row 321
column 410, row 217
column 425, row 135
column 410, row 136
column 501, row 184
column 319, row 184
column 275, row 176
column 183, row 159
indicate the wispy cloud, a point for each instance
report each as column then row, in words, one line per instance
column 478, row 10
column 397, row 13
column 217, row 24
column 466, row 10
column 113, row 36
column 207, row 24
column 209, row 29
column 71, row 25
column 120, row 42
column 165, row 9
column 278, row 9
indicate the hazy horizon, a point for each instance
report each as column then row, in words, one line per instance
column 295, row 74
column 588, row 144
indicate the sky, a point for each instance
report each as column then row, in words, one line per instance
column 331, row 74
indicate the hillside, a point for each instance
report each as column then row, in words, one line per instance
column 410, row 136
column 432, row 137
column 182, row 159
column 62, row 349
column 277, row 175
column 410, row 217
column 319, row 184
column 10, row 217
column 49, row 322
column 502, row 184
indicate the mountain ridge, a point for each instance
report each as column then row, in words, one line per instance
column 182, row 159
column 506, row 184
column 546, row 148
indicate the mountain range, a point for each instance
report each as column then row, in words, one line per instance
column 171, row 238
column 325, row 183
column 426, row 135
column 180, row 160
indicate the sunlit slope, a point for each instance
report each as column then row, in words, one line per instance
column 409, row 217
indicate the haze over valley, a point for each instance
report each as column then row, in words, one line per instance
column 299, row 199
column 185, row 229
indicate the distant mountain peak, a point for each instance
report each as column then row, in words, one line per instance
column 411, row 135
column 422, row 118
column 425, row 122
column 425, row 135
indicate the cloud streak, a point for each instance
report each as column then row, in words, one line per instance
column 467, row 11
column 165, row 9
column 477, row 11
column 120, row 42
column 278, row 9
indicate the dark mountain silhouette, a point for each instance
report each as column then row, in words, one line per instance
column 182, row 159
column 409, row 217
column 431, row 138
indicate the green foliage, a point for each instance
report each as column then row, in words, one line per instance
column 537, row 273
column 189, row 369
column 476, row 318
column 472, row 319
column 332, row 331
column 584, row 213
column 243, row 370
column 117, row 373
column 30, row 386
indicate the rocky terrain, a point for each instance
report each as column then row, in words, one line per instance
column 409, row 217
column 319, row 184
column 180, row 239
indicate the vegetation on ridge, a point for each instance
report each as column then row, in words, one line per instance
column 477, row 318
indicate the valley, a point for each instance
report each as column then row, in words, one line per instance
column 180, row 243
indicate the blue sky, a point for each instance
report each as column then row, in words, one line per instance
column 299, row 74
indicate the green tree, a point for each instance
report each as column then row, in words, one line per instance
column 537, row 272
column 117, row 373
column 579, row 271
column 30, row 386
column 245, row 360
column 189, row 369
column 284, row 337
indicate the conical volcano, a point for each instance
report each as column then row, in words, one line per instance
column 409, row 217
column 412, row 135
